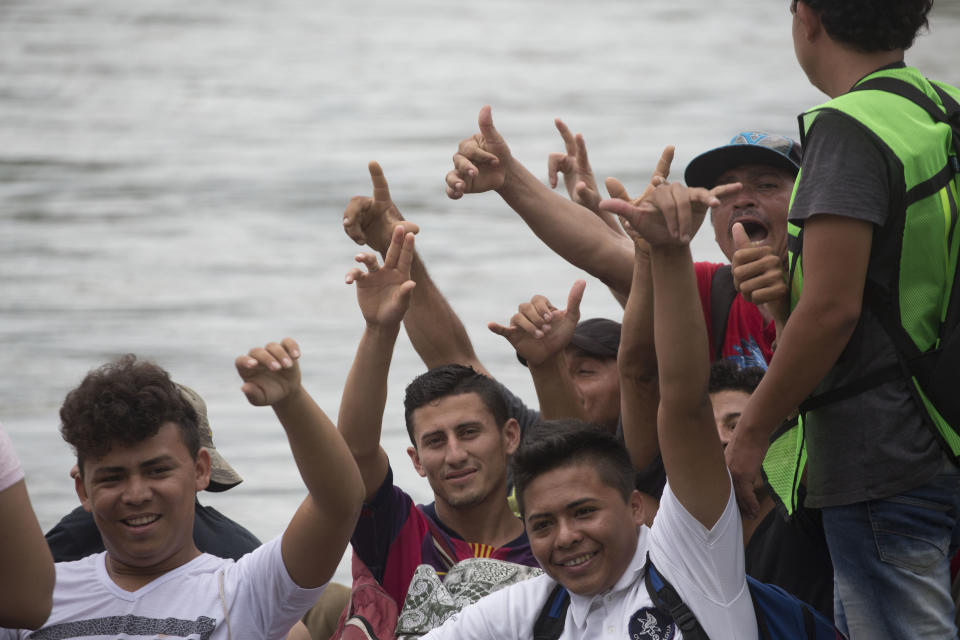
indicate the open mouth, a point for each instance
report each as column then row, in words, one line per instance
column 141, row 521
column 756, row 230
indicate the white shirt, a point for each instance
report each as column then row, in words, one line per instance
column 704, row 566
column 260, row 598
column 10, row 470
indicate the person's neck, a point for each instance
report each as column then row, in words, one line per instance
column 750, row 524
column 133, row 577
column 490, row 522
column 844, row 67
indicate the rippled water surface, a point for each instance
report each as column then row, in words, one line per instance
column 172, row 177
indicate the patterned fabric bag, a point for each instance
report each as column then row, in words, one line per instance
column 430, row 602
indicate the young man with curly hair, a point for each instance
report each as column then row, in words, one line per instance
column 871, row 224
column 141, row 464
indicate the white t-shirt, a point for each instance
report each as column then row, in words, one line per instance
column 10, row 470
column 261, row 598
column 705, row 567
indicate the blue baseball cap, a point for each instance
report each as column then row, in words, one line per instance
column 747, row 147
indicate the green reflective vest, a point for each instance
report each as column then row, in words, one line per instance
column 914, row 255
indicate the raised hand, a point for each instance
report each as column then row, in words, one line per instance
column 383, row 294
column 617, row 191
column 758, row 274
column 270, row 374
column 481, row 161
column 371, row 221
column 539, row 330
column 671, row 213
column 575, row 167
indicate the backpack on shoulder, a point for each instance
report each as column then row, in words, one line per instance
column 372, row 612
column 780, row 615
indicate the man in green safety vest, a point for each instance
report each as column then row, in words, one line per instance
column 873, row 237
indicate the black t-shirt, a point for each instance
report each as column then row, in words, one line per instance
column 76, row 535
column 793, row 555
column 874, row 444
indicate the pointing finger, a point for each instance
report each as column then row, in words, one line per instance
column 568, row 140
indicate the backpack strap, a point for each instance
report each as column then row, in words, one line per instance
column 722, row 293
column 549, row 624
column 668, row 601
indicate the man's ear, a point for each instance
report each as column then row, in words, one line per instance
column 636, row 508
column 81, row 490
column 202, row 469
column 511, row 435
column 810, row 24
column 415, row 458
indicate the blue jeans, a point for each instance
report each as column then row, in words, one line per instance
column 891, row 562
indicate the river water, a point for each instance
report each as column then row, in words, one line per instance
column 173, row 173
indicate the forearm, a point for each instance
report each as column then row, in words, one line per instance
column 360, row 420
column 637, row 364
column 437, row 334
column 570, row 230
column 321, row 454
column 556, row 392
column 811, row 341
column 27, row 587
column 689, row 444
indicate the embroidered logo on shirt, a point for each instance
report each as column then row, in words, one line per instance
column 651, row 624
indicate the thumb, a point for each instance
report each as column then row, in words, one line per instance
column 487, row 130
column 381, row 192
column 740, row 238
column 616, row 189
column 576, row 295
column 498, row 329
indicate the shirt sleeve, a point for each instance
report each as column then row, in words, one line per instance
column 706, row 566
column 10, row 470
column 844, row 172
column 268, row 602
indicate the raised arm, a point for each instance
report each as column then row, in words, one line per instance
column 483, row 162
column 437, row 334
column 26, row 581
column 539, row 332
column 383, row 295
column 688, row 438
column 317, row 536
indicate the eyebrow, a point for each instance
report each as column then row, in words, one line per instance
column 459, row 425
column 166, row 458
column 566, row 507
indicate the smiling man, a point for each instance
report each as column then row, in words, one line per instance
column 141, row 465
column 583, row 516
column 461, row 436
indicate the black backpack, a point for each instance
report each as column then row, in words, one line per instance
column 780, row 615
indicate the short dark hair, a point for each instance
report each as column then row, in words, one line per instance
column 122, row 403
column 726, row 375
column 873, row 25
column 552, row 444
column 453, row 380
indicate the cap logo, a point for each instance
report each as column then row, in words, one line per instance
column 748, row 137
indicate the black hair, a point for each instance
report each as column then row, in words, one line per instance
column 726, row 375
column 122, row 403
column 552, row 444
column 452, row 380
column 873, row 25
